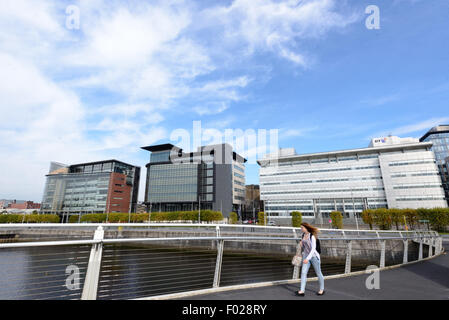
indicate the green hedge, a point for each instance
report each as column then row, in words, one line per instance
column 29, row 218
column 261, row 218
column 337, row 219
column 205, row 216
column 233, row 218
column 296, row 219
column 385, row 218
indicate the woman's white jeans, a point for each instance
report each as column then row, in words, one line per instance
column 305, row 269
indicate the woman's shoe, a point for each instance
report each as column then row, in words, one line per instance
column 300, row 294
column 320, row 294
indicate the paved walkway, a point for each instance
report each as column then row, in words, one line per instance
column 427, row 280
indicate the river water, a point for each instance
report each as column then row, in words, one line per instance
column 129, row 272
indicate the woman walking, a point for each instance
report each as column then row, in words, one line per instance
column 310, row 256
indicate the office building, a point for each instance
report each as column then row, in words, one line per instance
column 439, row 136
column 95, row 187
column 212, row 178
column 390, row 173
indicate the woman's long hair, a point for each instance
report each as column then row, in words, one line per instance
column 311, row 229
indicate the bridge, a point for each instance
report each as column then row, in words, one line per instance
column 206, row 261
column 426, row 280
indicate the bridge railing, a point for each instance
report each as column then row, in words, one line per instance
column 130, row 268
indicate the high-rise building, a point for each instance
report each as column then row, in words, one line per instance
column 95, row 187
column 212, row 178
column 390, row 173
column 439, row 136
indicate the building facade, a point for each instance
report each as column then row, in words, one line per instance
column 24, row 205
column 212, row 178
column 390, row 173
column 96, row 187
column 439, row 136
column 253, row 204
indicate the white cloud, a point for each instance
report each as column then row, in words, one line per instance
column 274, row 26
column 149, row 56
column 414, row 128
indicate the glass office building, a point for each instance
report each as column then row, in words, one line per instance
column 390, row 173
column 210, row 178
column 97, row 187
column 439, row 136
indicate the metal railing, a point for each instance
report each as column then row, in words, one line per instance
column 140, row 267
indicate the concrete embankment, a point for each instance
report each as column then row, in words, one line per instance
column 363, row 251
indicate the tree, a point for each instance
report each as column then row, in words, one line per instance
column 337, row 219
column 382, row 219
column 233, row 218
column 261, row 218
column 368, row 217
column 411, row 216
column 296, row 219
column 397, row 216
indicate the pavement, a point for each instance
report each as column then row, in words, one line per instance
column 425, row 280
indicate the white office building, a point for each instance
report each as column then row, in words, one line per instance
column 392, row 172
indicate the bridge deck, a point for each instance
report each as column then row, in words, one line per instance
column 422, row 281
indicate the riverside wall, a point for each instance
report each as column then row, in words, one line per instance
column 363, row 251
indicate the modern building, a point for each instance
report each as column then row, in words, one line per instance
column 212, row 178
column 439, row 136
column 390, row 173
column 95, row 187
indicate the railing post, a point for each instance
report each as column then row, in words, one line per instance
column 93, row 269
column 348, row 256
column 382, row 253
column 405, row 260
column 420, row 249
column 296, row 268
column 218, row 264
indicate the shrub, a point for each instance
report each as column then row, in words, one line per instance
column 233, row 218
column 397, row 217
column 368, row 217
column 337, row 219
column 261, row 218
column 411, row 216
column 94, row 218
column 382, row 219
column 296, row 219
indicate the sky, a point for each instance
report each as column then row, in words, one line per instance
column 83, row 81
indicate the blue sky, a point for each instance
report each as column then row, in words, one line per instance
column 135, row 71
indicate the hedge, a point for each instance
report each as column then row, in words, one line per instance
column 261, row 218
column 233, row 218
column 205, row 216
column 384, row 218
column 296, row 219
column 337, row 219
column 29, row 218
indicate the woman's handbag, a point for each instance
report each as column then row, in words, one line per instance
column 297, row 259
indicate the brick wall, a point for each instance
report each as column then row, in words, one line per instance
column 119, row 194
